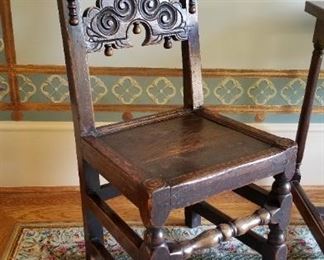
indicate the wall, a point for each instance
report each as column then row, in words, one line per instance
column 240, row 34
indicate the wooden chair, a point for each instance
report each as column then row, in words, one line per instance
column 312, row 215
column 175, row 159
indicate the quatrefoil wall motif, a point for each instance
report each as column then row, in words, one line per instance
column 27, row 88
column 127, row 90
column 294, row 91
column 228, row 91
column 262, row 91
column 161, row 91
column 55, row 88
column 108, row 24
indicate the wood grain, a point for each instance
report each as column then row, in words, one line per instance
column 151, row 146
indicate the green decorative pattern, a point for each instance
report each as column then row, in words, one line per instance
column 68, row 243
column 168, row 90
column 157, row 90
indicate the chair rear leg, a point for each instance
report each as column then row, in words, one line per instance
column 89, row 183
column 280, row 198
column 192, row 219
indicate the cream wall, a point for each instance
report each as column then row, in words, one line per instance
column 244, row 34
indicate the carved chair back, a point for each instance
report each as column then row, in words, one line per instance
column 107, row 26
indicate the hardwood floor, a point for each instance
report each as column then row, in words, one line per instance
column 57, row 204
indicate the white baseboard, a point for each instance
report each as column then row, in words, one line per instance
column 43, row 153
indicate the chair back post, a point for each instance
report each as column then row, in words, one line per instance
column 307, row 107
column 191, row 60
column 77, row 67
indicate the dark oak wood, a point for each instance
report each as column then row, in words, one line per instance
column 107, row 24
column 223, row 232
column 192, row 219
column 279, row 195
column 193, row 96
column 145, row 120
column 253, row 193
column 73, row 12
column 309, row 212
column 320, row 210
column 315, row 8
column 129, row 240
column 191, row 147
column 173, row 159
column 215, row 216
column 108, row 191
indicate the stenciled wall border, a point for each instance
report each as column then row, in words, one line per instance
column 36, row 88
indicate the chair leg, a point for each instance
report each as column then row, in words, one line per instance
column 89, row 183
column 154, row 215
column 280, row 198
column 154, row 246
column 192, row 219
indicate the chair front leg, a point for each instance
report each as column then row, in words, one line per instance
column 154, row 246
column 280, row 197
column 154, row 212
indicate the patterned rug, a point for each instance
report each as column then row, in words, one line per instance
column 65, row 241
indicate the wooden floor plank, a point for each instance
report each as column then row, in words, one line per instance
column 26, row 205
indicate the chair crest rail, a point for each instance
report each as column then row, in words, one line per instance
column 107, row 24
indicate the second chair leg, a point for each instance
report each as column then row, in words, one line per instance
column 281, row 198
column 192, row 219
column 89, row 183
column 154, row 246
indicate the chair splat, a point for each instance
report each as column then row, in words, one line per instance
column 107, row 24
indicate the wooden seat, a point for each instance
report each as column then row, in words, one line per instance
column 201, row 148
column 173, row 159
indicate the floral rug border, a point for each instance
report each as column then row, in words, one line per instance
column 16, row 237
column 19, row 227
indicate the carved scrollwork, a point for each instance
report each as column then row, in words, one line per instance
column 107, row 25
